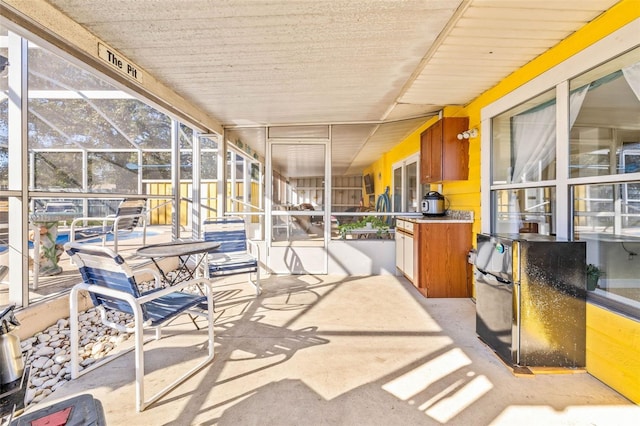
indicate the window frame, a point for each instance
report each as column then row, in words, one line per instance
column 403, row 165
column 607, row 49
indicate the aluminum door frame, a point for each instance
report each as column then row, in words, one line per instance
column 294, row 259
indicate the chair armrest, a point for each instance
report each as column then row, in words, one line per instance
column 103, row 219
column 174, row 288
column 116, row 220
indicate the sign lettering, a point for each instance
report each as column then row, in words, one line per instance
column 117, row 62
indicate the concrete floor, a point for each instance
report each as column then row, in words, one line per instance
column 327, row 350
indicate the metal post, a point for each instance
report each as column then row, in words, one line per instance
column 175, row 179
column 221, row 195
column 195, row 188
column 18, row 172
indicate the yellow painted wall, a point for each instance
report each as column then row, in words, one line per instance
column 613, row 341
column 382, row 169
column 613, row 351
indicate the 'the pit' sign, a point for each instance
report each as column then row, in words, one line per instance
column 119, row 63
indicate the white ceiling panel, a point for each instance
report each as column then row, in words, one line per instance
column 490, row 40
column 251, row 62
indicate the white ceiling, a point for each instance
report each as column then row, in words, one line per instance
column 348, row 62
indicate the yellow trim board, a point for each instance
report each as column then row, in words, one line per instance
column 557, row 370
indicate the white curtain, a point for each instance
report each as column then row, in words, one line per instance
column 632, row 75
column 534, row 137
column 534, row 146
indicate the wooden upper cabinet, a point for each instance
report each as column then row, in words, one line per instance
column 442, row 155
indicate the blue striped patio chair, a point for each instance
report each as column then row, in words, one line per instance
column 233, row 256
column 112, row 286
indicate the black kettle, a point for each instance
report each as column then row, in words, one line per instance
column 433, row 204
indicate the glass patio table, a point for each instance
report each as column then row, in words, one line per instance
column 183, row 249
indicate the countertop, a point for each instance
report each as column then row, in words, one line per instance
column 452, row 216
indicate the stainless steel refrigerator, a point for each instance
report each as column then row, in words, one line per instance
column 531, row 299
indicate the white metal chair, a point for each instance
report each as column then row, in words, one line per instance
column 112, row 286
column 129, row 215
column 233, row 256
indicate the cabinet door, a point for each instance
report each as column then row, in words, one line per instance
column 399, row 251
column 431, row 154
column 425, row 156
column 408, row 257
column 435, row 152
column 454, row 152
column 443, row 155
column 444, row 270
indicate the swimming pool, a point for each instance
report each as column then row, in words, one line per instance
column 63, row 237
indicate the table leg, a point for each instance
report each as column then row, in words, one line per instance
column 182, row 273
column 162, row 274
column 49, row 250
column 184, row 269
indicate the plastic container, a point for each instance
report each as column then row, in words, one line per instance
column 11, row 360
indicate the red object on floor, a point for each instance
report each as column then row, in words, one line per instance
column 59, row 418
column 81, row 410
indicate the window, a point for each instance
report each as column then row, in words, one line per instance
column 406, row 187
column 524, row 142
column 72, row 111
column 85, row 136
column 594, row 164
column 106, row 173
column 605, row 107
column 524, row 210
column 524, row 153
column 605, row 142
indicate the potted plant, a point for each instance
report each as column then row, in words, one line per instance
column 593, row 275
column 368, row 222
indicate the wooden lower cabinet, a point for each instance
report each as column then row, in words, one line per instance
column 441, row 268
